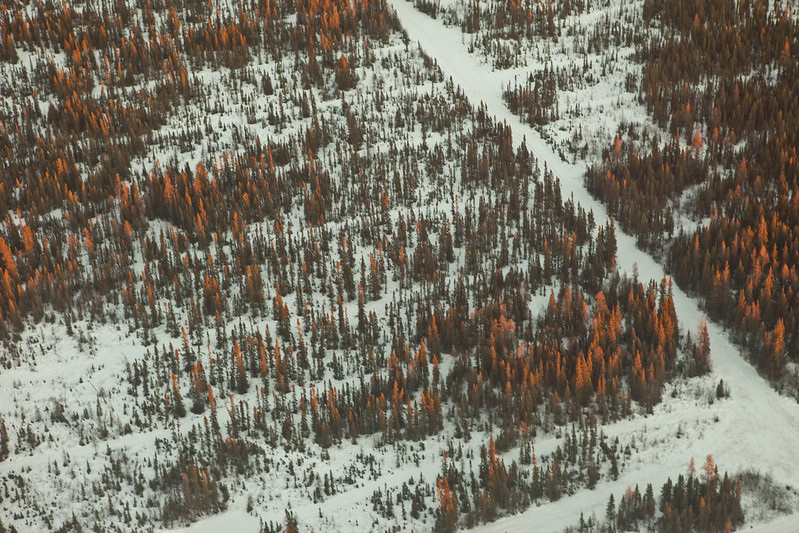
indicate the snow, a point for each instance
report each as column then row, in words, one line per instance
column 233, row 520
column 757, row 428
column 785, row 524
column 753, row 429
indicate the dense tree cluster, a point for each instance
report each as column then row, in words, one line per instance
column 82, row 162
column 330, row 264
column 643, row 206
column 721, row 79
column 537, row 100
column 697, row 502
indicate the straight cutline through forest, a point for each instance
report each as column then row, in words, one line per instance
column 760, row 430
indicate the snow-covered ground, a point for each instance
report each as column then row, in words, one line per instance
column 753, row 429
column 756, row 427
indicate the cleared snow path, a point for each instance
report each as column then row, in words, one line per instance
column 757, row 428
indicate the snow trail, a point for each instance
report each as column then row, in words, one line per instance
column 756, row 427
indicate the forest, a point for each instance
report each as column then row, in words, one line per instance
column 266, row 252
column 721, row 82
